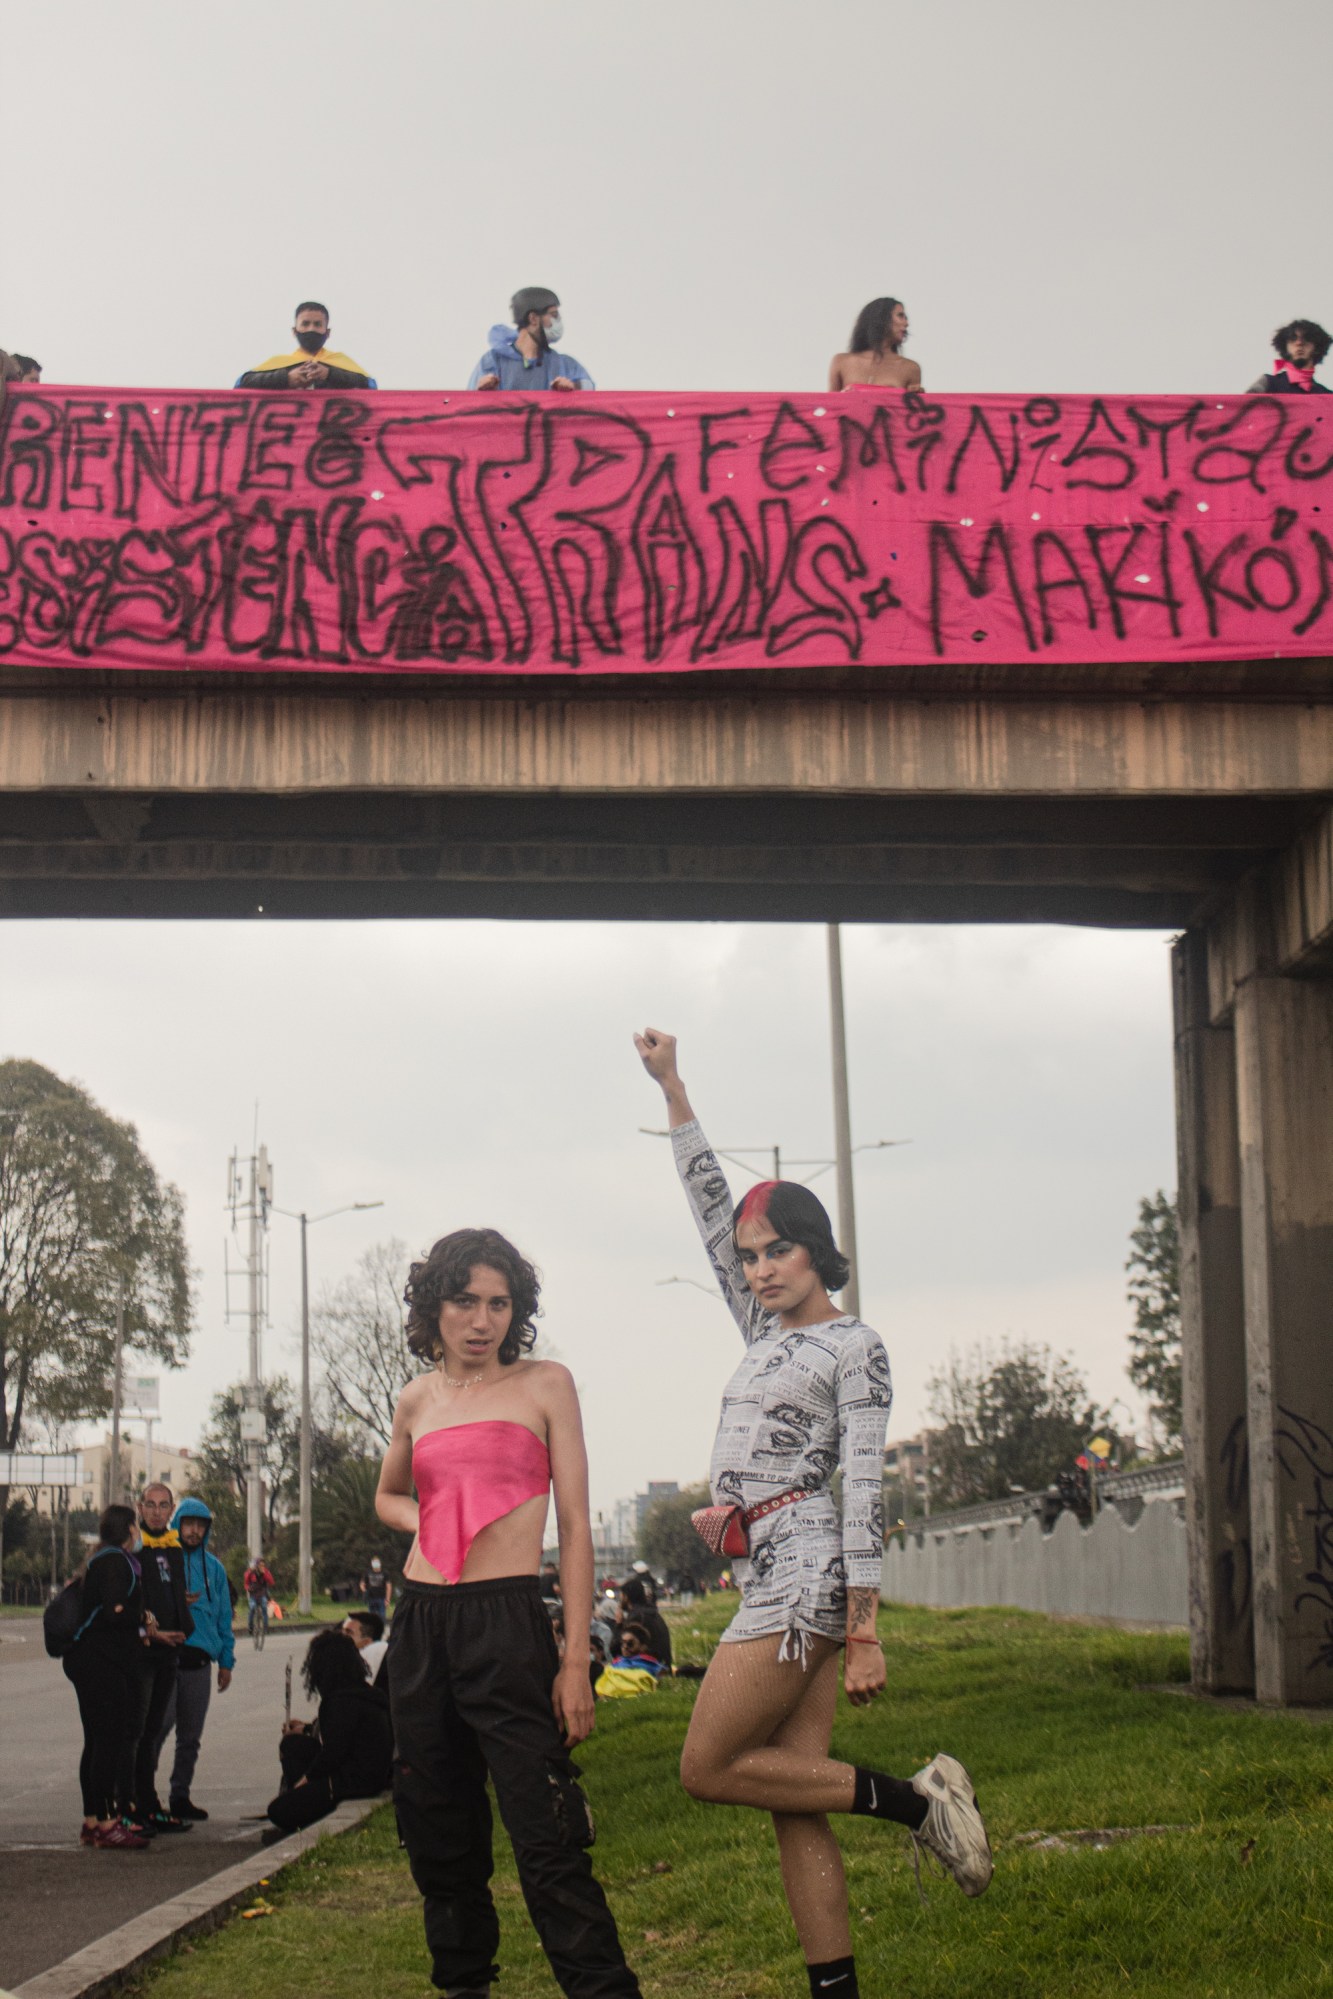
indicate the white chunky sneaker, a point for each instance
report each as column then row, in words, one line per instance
column 954, row 1832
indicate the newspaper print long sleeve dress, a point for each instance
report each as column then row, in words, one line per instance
column 802, row 1403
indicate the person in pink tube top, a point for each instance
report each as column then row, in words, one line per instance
column 476, row 1685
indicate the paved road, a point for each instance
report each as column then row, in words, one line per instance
column 56, row 1896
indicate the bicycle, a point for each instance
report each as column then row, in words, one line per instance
column 258, row 1621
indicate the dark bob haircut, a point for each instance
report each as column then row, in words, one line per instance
column 873, row 331
column 1312, row 330
column 332, row 1660
column 798, row 1216
column 445, row 1274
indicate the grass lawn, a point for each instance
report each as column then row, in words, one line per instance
column 1231, row 1903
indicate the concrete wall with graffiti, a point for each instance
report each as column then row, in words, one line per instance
column 1130, row 1574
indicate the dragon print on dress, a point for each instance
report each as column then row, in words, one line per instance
column 801, row 1403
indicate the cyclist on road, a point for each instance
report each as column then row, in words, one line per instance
column 257, row 1582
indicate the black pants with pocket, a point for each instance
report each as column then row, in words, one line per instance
column 471, row 1667
column 107, row 1680
column 158, row 1666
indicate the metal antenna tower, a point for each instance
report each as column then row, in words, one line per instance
column 252, row 1209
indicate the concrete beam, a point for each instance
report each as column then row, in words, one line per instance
column 1217, row 1499
column 1284, row 1042
column 1280, row 920
column 270, row 741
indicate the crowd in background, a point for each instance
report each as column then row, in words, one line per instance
column 145, row 1635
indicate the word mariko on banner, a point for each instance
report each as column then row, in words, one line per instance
column 620, row 534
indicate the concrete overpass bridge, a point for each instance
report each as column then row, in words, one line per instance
column 1044, row 733
column 1141, row 800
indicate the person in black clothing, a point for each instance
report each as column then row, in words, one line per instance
column 347, row 1752
column 1300, row 347
column 312, row 364
column 102, row 1665
column 162, row 1574
column 638, row 1607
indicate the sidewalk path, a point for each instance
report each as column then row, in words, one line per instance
column 56, row 1896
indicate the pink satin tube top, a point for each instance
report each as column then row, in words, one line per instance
column 466, row 1477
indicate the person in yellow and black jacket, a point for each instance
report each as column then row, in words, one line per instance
column 162, row 1570
column 314, row 364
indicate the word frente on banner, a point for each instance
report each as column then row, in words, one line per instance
column 629, row 533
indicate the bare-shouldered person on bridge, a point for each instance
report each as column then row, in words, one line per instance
column 874, row 359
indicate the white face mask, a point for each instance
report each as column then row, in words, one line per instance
column 555, row 332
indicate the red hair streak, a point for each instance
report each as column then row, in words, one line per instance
column 754, row 1208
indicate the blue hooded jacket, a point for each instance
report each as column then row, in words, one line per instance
column 206, row 1578
column 503, row 358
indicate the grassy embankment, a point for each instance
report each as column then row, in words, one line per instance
column 1230, row 1903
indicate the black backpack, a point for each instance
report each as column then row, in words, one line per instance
column 63, row 1621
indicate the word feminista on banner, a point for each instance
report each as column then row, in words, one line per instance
column 629, row 533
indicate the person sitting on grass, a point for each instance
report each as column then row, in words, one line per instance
column 366, row 1631
column 638, row 1607
column 346, row 1752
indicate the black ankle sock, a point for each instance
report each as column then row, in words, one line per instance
column 880, row 1797
column 834, row 1980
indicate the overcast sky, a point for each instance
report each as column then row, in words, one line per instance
column 1066, row 196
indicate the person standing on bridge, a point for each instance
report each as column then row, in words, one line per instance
column 1300, row 347
column 476, row 1685
column 524, row 356
column 314, row 364
column 810, row 1396
column 874, row 359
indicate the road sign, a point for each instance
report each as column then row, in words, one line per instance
column 41, row 1468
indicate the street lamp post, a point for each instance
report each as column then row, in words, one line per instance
column 305, row 1552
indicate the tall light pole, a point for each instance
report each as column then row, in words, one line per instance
column 842, row 1124
column 117, row 1376
column 305, row 1554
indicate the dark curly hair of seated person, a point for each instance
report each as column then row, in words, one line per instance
column 444, row 1275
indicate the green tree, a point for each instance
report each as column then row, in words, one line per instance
column 346, row 1530
column 81, row 1209
column 1153, row 1264
column 669, row 1544
column 223, row 1464
column 356, row 1329
column 1007, row 1423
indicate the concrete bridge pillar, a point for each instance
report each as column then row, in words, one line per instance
column 1284, row 1111
column 1217, row 1514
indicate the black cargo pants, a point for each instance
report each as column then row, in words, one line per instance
column 470, row 1672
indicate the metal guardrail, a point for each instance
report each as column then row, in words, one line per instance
column 1141, row 1483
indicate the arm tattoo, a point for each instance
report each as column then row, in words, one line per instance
column 861, row 1607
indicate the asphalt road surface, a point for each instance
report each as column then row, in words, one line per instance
column 56, row 1896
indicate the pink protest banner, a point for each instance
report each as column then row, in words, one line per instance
column 630, row 533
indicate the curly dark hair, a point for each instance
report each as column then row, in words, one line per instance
column 446, row 1273
column 1312, row 330
column 332, row 1660
column 798, row 1216
column 872, row 332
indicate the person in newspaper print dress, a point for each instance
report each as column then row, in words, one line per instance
column 810, row 1396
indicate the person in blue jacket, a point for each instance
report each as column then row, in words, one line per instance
column 211, row 1644
column 524, row 356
